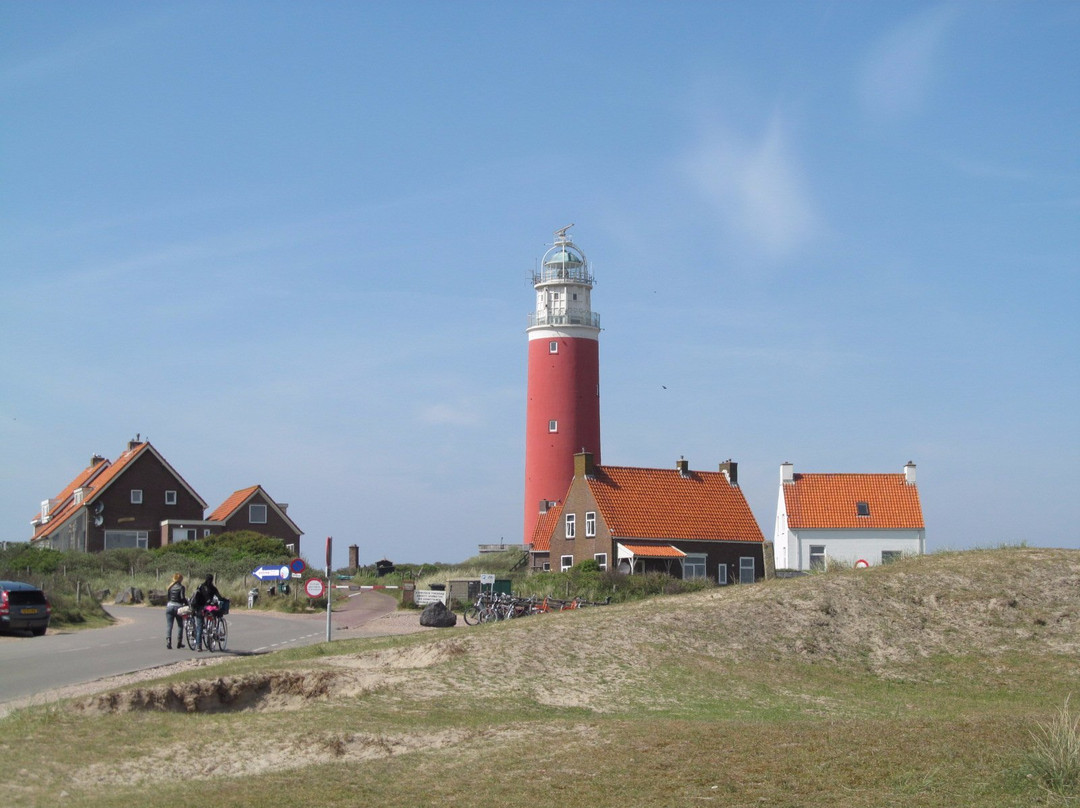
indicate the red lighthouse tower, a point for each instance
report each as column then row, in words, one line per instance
column 563, row 412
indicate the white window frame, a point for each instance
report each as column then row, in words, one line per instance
column 142, row 537
column 818, row 551
column 721, row 575
column 697, row 563
column 136, row 496
column 553, row 425
column 206, row 532
column 590, row 524
column 571, row 525
column 565, row 562
column 170, row 497
column 553, row 346
column 742, row 568
column 601, row 560
column 251, row 513
column 547, row 566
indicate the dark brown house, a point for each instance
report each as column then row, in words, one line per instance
column 117, row 504
column 253, row 509
column 690, row 524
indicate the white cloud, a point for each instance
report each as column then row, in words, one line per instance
column 900, row 67
column 755, row 188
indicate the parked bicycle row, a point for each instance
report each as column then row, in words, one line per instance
column 490, row 607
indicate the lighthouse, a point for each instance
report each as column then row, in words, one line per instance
column 563, row 412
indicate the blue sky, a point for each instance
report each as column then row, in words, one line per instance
column 290, row 243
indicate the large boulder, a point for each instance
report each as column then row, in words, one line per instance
column 436, row 615
column 130, row 595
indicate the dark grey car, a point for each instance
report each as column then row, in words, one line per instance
column 23, row 608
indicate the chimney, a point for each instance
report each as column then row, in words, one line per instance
column 133, row 443
column 787, row 473
column 730, row 469
column 545, row 505
column 683, row 466
column 284, row 506
column 909, row 473
column 583, row 464
column 95, row 459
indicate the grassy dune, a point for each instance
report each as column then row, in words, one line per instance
column 916, row 684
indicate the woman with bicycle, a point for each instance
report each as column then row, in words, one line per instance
column 177, row 597
column 199, row 601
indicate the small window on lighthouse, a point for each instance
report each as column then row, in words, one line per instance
column 553, row 347
column 553, row 426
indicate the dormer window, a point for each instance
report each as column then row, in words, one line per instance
column 862, row 508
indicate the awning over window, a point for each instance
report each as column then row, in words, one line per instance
column 636, row 550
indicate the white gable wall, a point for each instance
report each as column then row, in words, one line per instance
column 782, row 537
column 848, row 546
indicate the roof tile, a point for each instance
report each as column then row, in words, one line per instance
column 829, row 501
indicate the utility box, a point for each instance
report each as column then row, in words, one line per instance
column 464, row 590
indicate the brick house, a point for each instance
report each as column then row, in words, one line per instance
column 858, row 519
column 253, row 509
column 141, row 501
column 690, row 524
column 117, row 504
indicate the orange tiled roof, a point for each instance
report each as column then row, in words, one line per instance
column 101, row 481
column 653, row 550
column 829, row 501
column 545, row 524
column 662, row 504
column 65, row 500
column 229, row 506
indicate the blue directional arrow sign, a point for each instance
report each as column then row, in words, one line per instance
column 267, row 572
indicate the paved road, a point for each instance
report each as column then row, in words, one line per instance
column 35, row 664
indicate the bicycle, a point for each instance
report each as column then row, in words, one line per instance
column 215, row 626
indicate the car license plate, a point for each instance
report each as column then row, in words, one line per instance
column 29, row 611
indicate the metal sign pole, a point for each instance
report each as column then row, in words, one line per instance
column 329, row 544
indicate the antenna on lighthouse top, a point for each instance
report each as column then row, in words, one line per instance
column 560, row 234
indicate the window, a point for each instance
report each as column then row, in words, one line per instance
column 115, row 539
column 257, row 514
column 862, row 508
column 565, row 563
column 590, row 524
column 553, row 426
column 553, row 347
column 571, row 525
column 817, row 556
column 206, row 532
column 747, row 570
column 693, row 566
column 889, row 556
column 601, row 561
column 547, row 566
column 721, row 575
column 78, row 497
column 170, row 497
column 136, row 496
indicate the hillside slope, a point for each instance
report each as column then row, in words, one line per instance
column 914, row 684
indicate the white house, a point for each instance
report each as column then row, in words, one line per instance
column 859, row 519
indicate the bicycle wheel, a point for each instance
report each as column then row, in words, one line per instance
column 222, row 633
column 189, row 631
column 471, row 616
column 210, row 634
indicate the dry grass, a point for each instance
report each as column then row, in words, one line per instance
column 917, row 684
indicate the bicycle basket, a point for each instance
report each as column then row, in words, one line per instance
column 223, row 606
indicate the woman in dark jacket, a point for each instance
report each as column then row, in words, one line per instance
column 177, row 597
column 202, row 597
